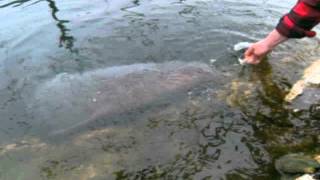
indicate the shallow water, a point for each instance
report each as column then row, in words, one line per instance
column 232, row 127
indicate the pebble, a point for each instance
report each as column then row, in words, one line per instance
column 296, row 110
column 305, row 177
column 317, row 158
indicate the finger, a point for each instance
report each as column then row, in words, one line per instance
column 250, row 60
column 249, row 52
column 249, row 55
column 255, row 62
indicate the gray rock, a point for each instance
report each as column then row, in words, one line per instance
column 296, row 164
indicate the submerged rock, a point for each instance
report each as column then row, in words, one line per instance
column 33, row 143
column 315, row 111
column 239, row 92
column 317, row 158
column 296, row 164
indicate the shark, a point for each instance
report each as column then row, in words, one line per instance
column 70, row 103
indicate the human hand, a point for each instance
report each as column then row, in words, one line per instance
column 256, row 52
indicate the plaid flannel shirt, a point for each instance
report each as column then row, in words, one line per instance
column 300, row 20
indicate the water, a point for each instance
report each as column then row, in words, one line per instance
column 54, row 59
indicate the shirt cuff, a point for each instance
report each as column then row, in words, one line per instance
column 314, row 3
column 288, row 29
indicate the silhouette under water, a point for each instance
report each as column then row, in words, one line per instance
column 155, row 119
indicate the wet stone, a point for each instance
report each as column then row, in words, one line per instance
column 296, row 164
column 310, row 79
column 315, row 111
column 309, row 100
column 305, row 177
column 316, row 175
column 317, row 158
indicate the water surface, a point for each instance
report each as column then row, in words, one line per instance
column 230, row 128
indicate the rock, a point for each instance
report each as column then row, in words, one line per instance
column 238, row 93
column 296, row 164
column 317, row 175
column 311, row 77
column 33, row 143
column 305, row 177
column 309, row 100
column 315, row 111
column 317, row 158
column 295, row 91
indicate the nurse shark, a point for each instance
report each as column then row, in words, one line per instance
column 72, row 103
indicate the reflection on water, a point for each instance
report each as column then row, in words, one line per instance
column 16, row 3
column 232, row 127
column 66, row 40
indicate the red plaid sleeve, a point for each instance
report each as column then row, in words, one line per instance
column 300, row 20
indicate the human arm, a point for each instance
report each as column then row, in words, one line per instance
column 258, row 50
column 296, row 24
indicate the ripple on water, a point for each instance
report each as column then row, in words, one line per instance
column 207, row 134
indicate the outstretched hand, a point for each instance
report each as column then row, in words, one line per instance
column 257, row 51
